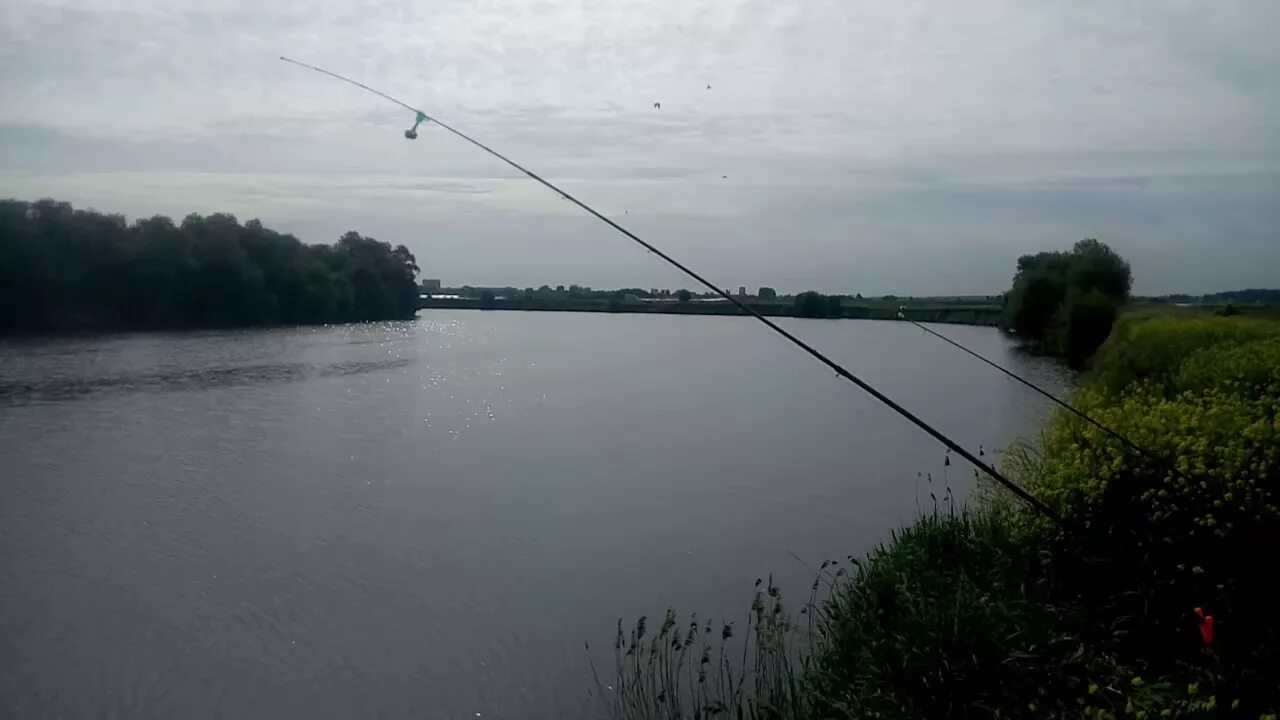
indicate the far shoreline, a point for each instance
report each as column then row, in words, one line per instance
column 957, row 313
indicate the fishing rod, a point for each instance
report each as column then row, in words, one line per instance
column 839, row 369
column 1053, row 398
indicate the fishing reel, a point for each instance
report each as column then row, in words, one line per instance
column 412, row 133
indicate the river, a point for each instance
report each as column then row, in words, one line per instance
column 429, row 519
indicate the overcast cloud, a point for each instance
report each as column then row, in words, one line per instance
column 875, row 147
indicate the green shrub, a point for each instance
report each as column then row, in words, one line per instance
column 1184, row 525
column 1228, row 445
column 953, row 615
column 1250, row 369
column 1154, row 348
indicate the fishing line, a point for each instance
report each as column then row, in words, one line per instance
column 839, row 369
column 1054, row 398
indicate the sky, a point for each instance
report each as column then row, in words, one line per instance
column 914, row 148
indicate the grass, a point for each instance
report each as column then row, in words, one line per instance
column 704, row 670
column 953, row 614
column 994, row 612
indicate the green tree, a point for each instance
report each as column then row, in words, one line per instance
column 684, row 295
column 1033, row 303
column 810, row 304
column 767, row 293
column 1090, row 316
column 1066, row 302
column 1095, row 266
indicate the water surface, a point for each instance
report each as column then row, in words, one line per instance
column 430, row 518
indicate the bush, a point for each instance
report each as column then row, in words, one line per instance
column 953, row 615
column 1250, row 368
column 1154, row 349
column 1200, row 395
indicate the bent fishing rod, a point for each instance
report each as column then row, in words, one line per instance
column 839, row 369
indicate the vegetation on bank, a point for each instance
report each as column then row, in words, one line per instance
column 1065, row 303
column 1159, row 600
column 966, row 313
column 68, row 269
column 1248, row 296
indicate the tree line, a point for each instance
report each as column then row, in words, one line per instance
column 1253, row 296
column 66, row 269
column 581, row 292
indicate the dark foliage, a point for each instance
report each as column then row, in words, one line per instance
column 1059, row 300
column 65, row 269
column 953, row 618
column 810, row 304
column 1250, row 295
column 766, row 293
column 1090, row 316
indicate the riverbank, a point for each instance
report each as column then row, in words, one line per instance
column 957, row 313
column 1150, row 603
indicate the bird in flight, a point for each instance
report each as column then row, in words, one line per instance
column 708, row 87
column 657, row 106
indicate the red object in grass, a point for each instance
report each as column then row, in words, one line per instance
column 1206, row 626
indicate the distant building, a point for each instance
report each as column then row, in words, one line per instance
column 430, row 284
column 742, row 291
